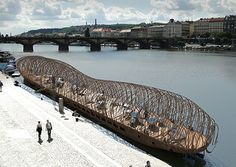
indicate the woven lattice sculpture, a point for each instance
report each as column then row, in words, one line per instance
column 151, row 116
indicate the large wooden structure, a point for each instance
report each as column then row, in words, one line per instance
column 150, row 116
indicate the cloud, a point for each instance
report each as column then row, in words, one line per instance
column 163, row 10
column 33, row 14
column 193, row 9
column 46, row 10
column 85, row 12
column 13, row 7
column 197, row 5
column 182, row 5
column 128, row 15
column 220, row 6
column 9, row 10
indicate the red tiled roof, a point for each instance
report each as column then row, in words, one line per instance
column 219, row 19
column 102, row 30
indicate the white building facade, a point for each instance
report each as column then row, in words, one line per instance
column 172, row 29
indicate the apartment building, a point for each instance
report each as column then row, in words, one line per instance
column 216, row 25
column 208, row 25
column 185, row 29
column 191, row 28
column 140, row 32
column 230, row 24
column 101, row 32
column 125, row 33
column 172, row 29
column 201, row 26
column 155, row 31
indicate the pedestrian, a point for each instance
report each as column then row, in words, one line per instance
column 1, row 84
column 49, row 129
column 148, row 164
column 39, row 130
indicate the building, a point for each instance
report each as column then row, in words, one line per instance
column 139, row 32
column 201, row 26
column 101, row 32
column 172, row 29
column 230, row 24
column 155, row 31
column 191, row 28
column 125, row 33
column 216, row 25
column 185, row 29
column 208, row 25
column 114, row 33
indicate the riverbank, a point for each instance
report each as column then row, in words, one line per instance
column 210, row 47
column 81, row 143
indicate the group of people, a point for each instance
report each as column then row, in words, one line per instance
column 48, row 129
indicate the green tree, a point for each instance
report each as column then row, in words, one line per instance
column 205, row 35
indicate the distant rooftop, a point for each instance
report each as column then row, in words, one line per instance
column 125, row 31
column 102, row 30
column 218, row 19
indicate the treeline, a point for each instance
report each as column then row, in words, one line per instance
column 77, row 29
column 81, row 29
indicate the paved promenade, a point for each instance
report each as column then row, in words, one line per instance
column 81, row 143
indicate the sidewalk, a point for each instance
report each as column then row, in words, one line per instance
column 74, row 143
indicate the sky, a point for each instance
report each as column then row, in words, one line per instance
column 18, row 16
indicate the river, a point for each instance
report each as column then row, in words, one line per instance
column 207, row 78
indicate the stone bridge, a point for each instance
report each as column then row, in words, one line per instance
column 94, row 42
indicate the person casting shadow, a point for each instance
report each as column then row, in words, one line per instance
column 39, row 130
column 49, row 130
column 148, row 164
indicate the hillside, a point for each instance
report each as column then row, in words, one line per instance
column 80, row 29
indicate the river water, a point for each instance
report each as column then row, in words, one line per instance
column 207, row 78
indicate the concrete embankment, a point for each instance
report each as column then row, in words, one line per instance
column 81, row 143
column 209, row 47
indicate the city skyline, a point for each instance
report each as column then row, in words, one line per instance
column 21, row 16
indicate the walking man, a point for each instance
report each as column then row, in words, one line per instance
column 39, row 130
column 1, row 84
column 148, row 164
column 49, row 129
